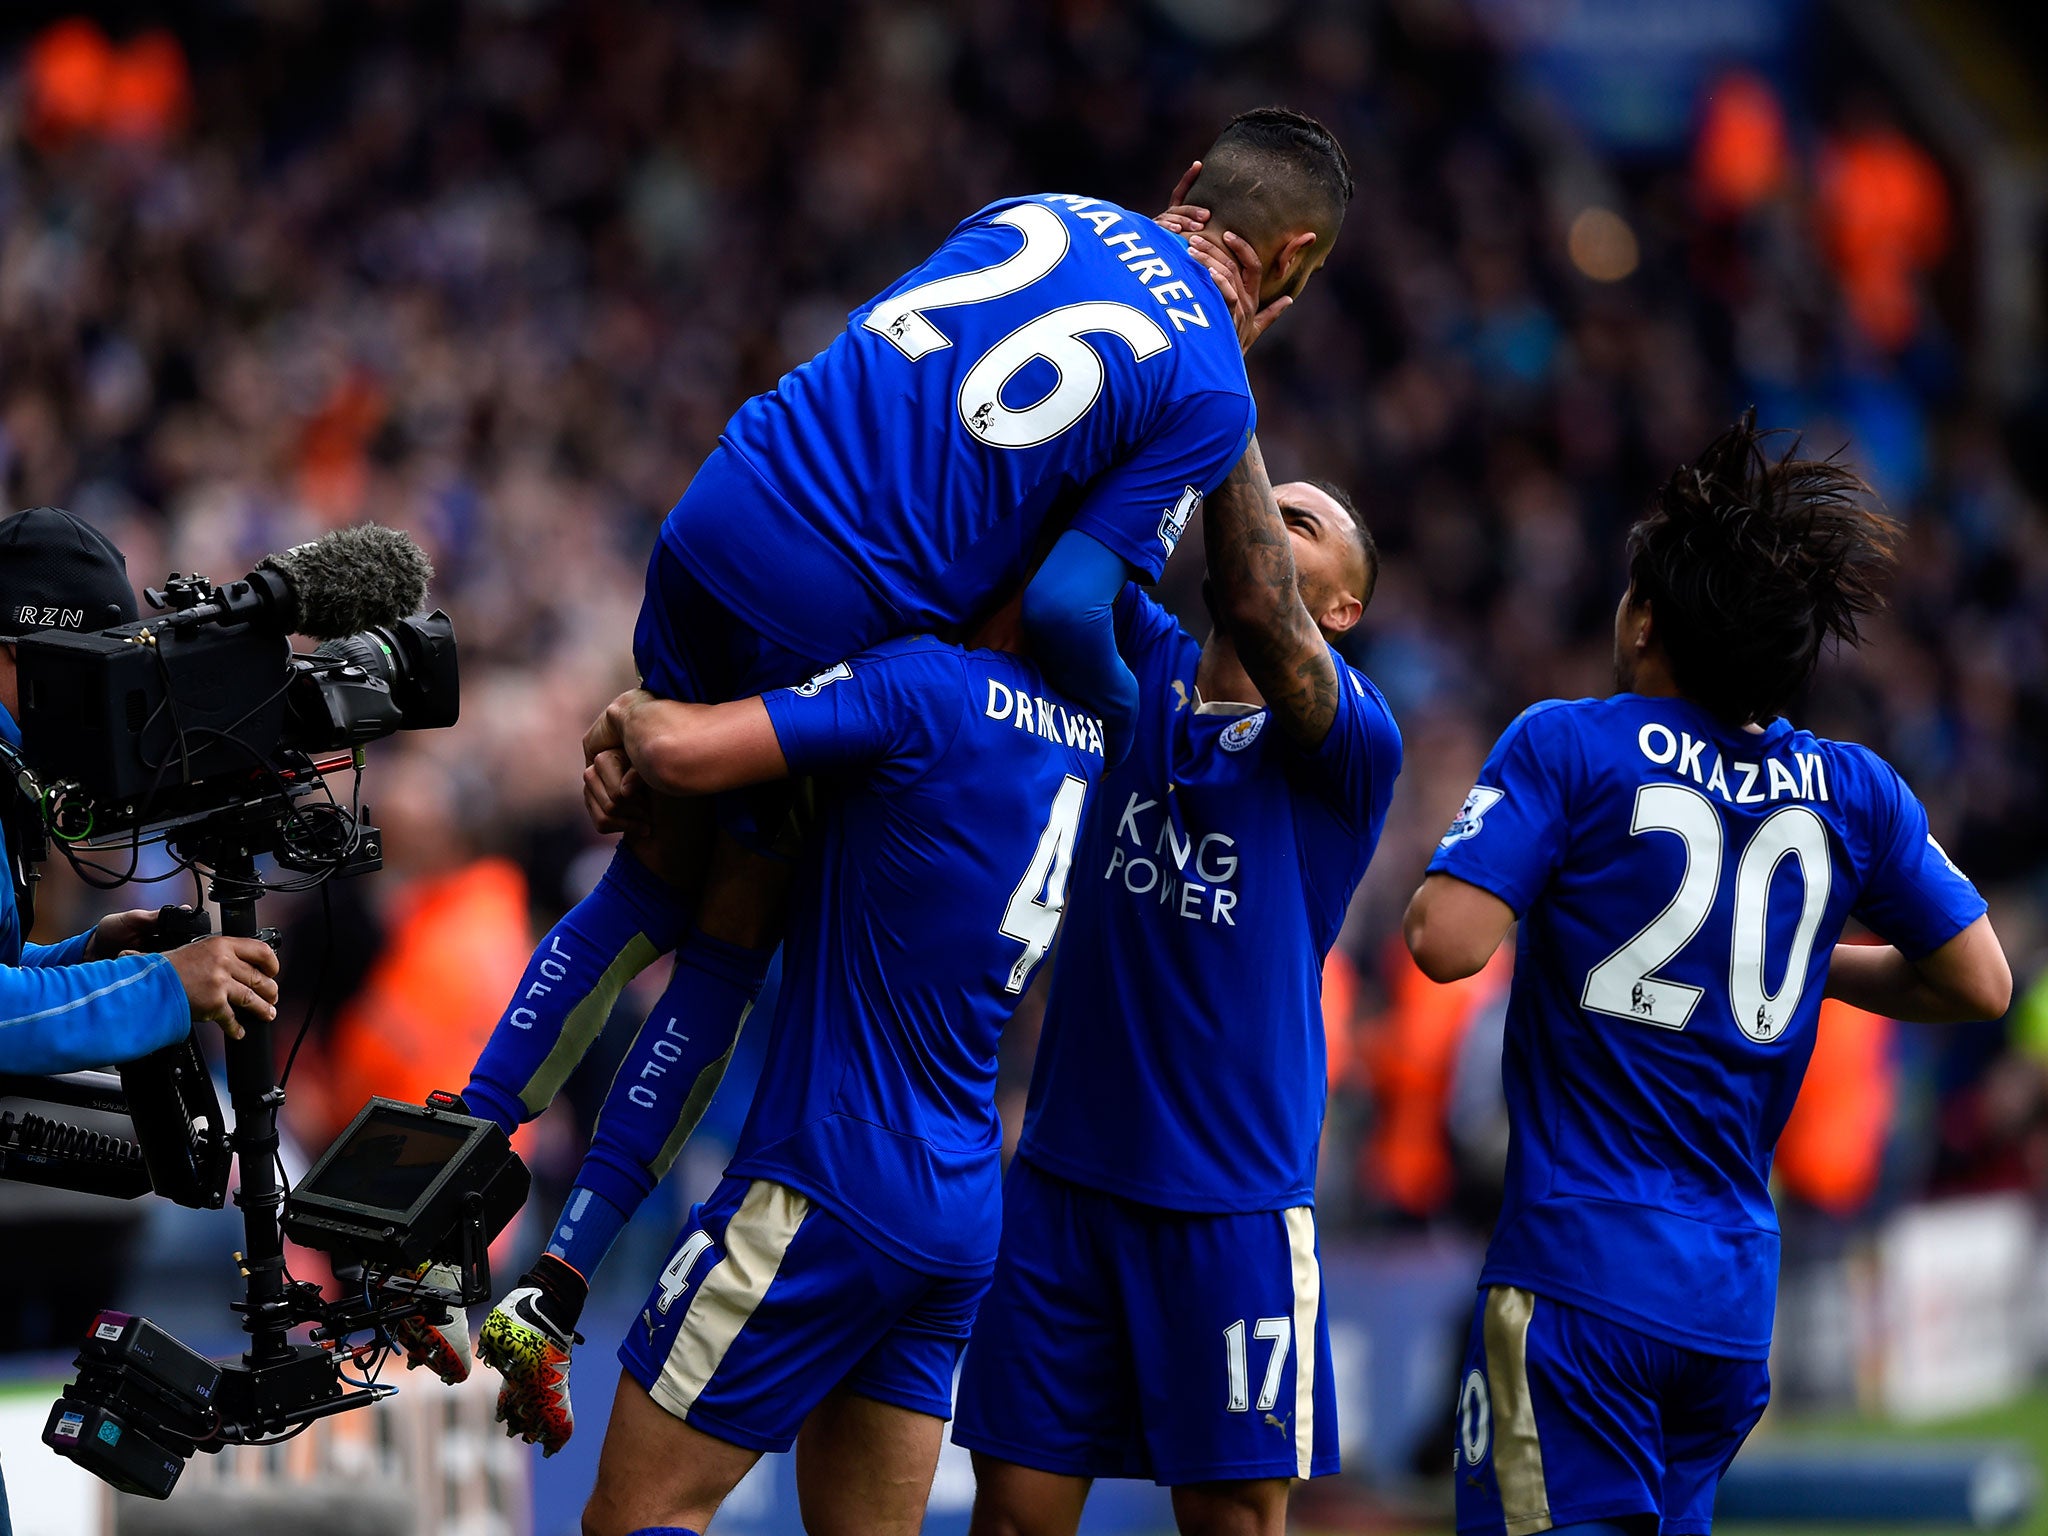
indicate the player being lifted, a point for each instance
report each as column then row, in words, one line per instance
column 1156, row 1306
column 823, row 1293
column 1061, row 373
column 1682, row 861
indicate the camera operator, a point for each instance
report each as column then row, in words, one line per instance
column 94, row 999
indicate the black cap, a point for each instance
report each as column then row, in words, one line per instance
column 57, row 571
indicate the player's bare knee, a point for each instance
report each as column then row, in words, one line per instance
column 1255, row 1507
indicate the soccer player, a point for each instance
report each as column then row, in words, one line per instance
column 1155, row 1311
column 1061, row 382
column 823, row 1293
column 1682, row 861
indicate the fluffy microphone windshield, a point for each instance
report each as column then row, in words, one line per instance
column 353, row 579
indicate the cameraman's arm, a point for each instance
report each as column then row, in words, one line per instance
column 110, row 936
column 60, row 1018
column 65, row 952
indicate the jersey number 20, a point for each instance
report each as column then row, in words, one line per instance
column 1033, row 915
column 1054, row 336
column 1626, row 983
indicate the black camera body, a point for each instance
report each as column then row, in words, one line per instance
column 159, row 721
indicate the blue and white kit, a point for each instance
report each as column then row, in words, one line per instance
column 858, row 1220
column 1156, row 1310
column 1681, row 885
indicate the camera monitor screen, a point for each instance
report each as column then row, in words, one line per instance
column 389, row 1161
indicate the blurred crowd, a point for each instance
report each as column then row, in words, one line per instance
column 496, row 271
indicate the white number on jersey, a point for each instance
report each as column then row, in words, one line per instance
column 675, row 1277
column 1054, row 336
column 1278, row 1330
column 1033, row 915
column 1626, row 983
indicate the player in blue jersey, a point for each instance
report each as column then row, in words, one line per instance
column 1682, row 860
column 1155, row 1311
column 827, row 1286
column 1060, row 383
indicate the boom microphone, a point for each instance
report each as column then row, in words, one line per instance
column 353, row 579
column 340, row 584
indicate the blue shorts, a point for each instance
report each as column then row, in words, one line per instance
column 769, row 1303
column 1564, row 1416
column 688, row 645
column 1123, row 1340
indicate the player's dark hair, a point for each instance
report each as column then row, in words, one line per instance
column 1368, row 547
column 1749, row 563
column 1272, row 169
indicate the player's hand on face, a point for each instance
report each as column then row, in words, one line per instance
column 1238, row 271
column 614, row 795
column 1181, row 216
column 221, row 974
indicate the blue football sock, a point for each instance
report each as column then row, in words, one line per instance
column 585, row 1233
column 672, row 1068
column 1590, row 1528
column 628, row 921
column 663, row 1530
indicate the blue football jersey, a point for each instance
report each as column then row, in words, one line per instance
column 1681, row 885
column 951, row 786
column 1182, row 1062
column 1058, row 362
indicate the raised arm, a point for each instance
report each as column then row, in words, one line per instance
column 1070, row 626
column 1965, row 980
column 1258, row 602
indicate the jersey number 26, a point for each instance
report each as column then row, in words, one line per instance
column 1054, row 336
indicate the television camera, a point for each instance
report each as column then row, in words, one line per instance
column 201, row 728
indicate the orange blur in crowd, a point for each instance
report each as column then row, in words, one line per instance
column 83, row 84
column 1883, row 211
column 1410, row 1055
column 1742, row 157
column 459, row 941
column 1832, row 1149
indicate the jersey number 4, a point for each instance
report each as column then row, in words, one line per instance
column 1033, row 915
column 1054, row 336
column 1626, row 983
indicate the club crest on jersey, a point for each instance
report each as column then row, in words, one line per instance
column 816, row 685
column 1240, row 734
column 1471, row 817
column 1174, row 521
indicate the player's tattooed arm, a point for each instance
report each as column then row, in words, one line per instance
column 1251, row 568
column 643, row 743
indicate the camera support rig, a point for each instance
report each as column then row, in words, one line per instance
column 143, row 1402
